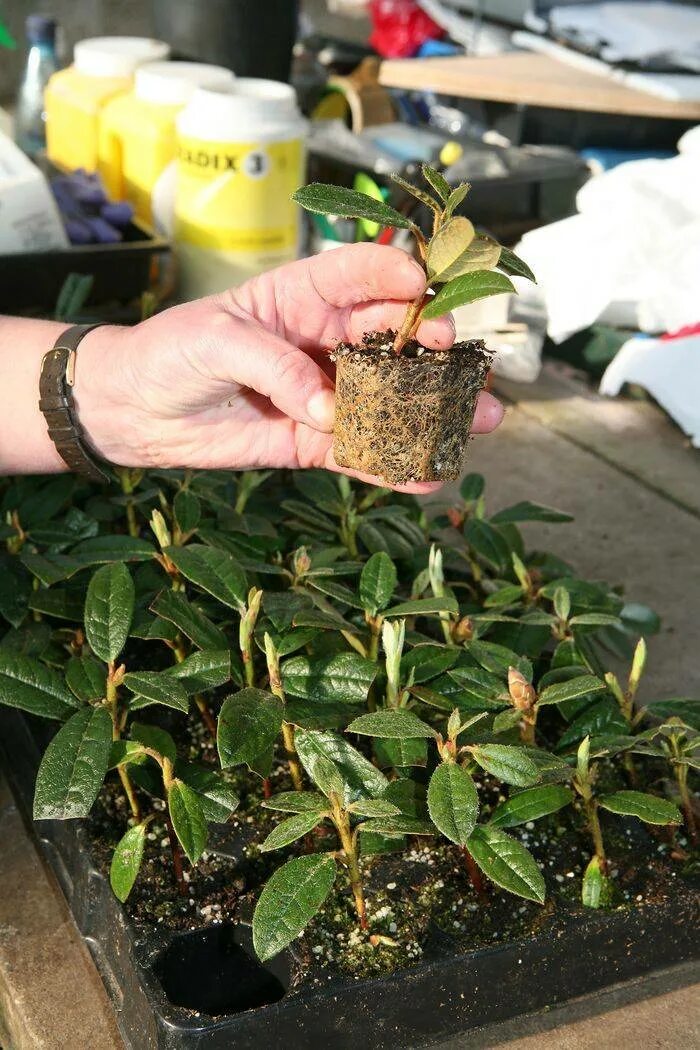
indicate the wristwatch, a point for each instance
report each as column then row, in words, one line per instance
column 58, row 407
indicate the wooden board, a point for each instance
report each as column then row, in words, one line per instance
column 529, row 79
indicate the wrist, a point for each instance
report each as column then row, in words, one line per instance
column 103, row 394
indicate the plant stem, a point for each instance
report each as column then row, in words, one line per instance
column 410, row 324
column 202, row 706
column 591, row 808
column 124, row 475
column 292, row 757
column 527, row 727
column 347, row 841
column 112, row 698
column 177, row 857
column 681, row 773
column 475, row 875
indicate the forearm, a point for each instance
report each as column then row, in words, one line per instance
column 25, row 446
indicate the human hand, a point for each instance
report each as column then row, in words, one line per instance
column 243, row 379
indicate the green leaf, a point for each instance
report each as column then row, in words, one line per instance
column 498, row 658
column 421, row 195
column 101, row 550
column 126, row 861
column 482, row 254
column 649, row 808
column 438, row 182
column 374, row 807
column 572, row 689
column 188, row 819
column 377, row 582
column 189, row 619
column 360, row 777
column 506, row 862
column 15, row 589
column 681, row 707
column 426, row 661
column 595, row 620
column 528, row 511
column 217, row 572
column 289, row 900
column 456, row 197
column 29, row 685
column 346, row 677
column 488, row 543
column 391, row 725
column 216, row 796
column 249, row 723
column 530, row 805
column 74, row 765
column 109, row 608
column 187, row 510
column 398, row 826
column 472, row 487
column 156, row 687
column 397, row 754
column 467, row 289
column 297, row 802
column 596, row 887
column 349, row 204
column 86, row 678
column 204, row 670
column 424, row 607
column 510, row 764
column 157, row 739
column 289, row 830
column 512, row 264
column 447, row 249
column 453, row 802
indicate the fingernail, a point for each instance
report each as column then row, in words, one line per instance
column 321, row 409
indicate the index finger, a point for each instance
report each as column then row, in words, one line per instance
column 360, row 273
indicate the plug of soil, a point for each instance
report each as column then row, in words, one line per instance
column 406, row 417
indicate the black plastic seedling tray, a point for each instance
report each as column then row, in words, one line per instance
column 229, row 1000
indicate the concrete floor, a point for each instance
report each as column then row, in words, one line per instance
column 634, row 487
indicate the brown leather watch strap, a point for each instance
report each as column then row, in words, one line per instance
column 57, row 405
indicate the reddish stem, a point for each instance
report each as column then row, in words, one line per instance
column 475, row 876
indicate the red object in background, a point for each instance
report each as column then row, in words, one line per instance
column 400, row 27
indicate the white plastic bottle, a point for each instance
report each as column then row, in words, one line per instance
column 240, row 157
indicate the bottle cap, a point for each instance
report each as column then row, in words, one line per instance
column 173, row 83
column 41, row 29
column 116, row 56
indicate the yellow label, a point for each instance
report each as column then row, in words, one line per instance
column 235, row 197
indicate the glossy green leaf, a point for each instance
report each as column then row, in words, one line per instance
column 216, row 571
column 187, row 510
column 74, row 765
column 29, row 685
column 204, row 670
column 649, row 808
column 101, row 550
column 377, row 582
column 297, row 802
column 532, row 804
column 126, row 861
column 512, row 765
column 398, row 826
column 424, row 607
column 399, row 754
column 156, row 687
column 488, row 543
column 361, row 777
column 512, row 264
column 188, row 819
column 290, row 829
column 392, row 725
column 249, row 723
column 467, row 289
column 453, row 802
column 438, row 182
column 426, row 661
column 154, row 737
column 681, row 707
column 472, row 487
column 506, row 862
column 109, row 607
column 456, row 197
column 346, row 677
column 571, row 689
column 216, row 796
column 336, row 200
column 374, row 807
column 189, row 619
column 289, row 900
